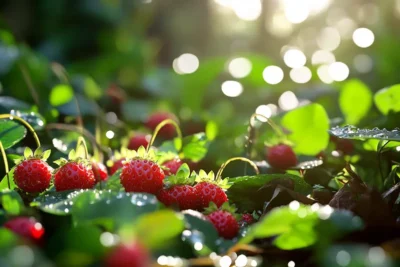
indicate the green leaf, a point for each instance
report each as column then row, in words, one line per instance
column 28, row 152
column 201, row 231
column 91, row 88
column 195, row 147
column 194, row 85
column 57, row 203
column 111, row 209
column 4, row 183
column 293, row 232
column 46, row 154
column 11, row 133
column 8, row 239
column 211, row 130
column 11, row 202
column 113, row 182
column 355, row 101
column 243, row 187
column 388, row 99
column 157, row 228
column 352, row 132
column 34, row 119
column 61, row 94
column 309, row 127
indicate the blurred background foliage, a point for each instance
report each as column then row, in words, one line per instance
column 218, row 60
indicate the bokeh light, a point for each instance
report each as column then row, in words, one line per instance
column 232, row 88
column 346, row 27
column 338, row 71
column 328, row 39
column 265, row 111
column 296, row 11
column 186, row 64
column 291, row 264
column 110, row 134
column 343, row 258
column 301, row 75
column 239, row 67
column 323, row 74
column 320, row 57
column 279, row 25
column 294, row 58
column 288, row 101
column 363, row 63
column 247, row 10
column 363, row 37
column 273, row 74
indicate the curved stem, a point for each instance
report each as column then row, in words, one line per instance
column 82, row 142
column 25, row 123
column 3, row 153
column 223, row 166
column 158, row 128
column 74, row 128
column 275, row 127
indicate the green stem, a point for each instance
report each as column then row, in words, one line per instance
column 28, row 81
column 25, row 123
column 158, row 128
column 223, row 166
column 3, row 153
column 270, row 122
column 380, row 160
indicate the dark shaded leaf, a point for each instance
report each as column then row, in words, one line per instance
column 11, row 133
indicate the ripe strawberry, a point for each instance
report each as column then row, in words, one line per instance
column 178, row 190
column 281, row 157
column 99, row 171
column 138, row 140
column 142, row 175
column 26, row 227
column 168, row 131
column 223, row 220
column 247, row 219
column 172, row 166
column 210, row 192
column 32, row 174
column 75, row 173
column 116, row 165
column 128, row 255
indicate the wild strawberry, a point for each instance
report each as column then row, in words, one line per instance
column 138, row 140
column 75, row 173
column 26, row 227
column 99, row 171
column 116, row 165
column 246, row 219
column 178, row 190
column 208, row 190
column 224, row 220
column 172, row 166
column 281, row 157
column 33, row 174
column 168, row 131
column 128, row 255
column 142, row 174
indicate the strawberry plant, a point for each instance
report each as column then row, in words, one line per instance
column 116, row 151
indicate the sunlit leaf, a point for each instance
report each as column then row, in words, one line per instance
column 61, row 94
column 388, row 99
column 11, row 133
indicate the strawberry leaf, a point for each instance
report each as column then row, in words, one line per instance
column 38, row 152
column 46, row 154
column 28, row 153
column 72, row 155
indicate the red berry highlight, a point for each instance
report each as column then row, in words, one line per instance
column 74, row 175
column 173, row 166
column 225, row 223
column 33, row 175
column 209, row 192
column 131, row 255
column 183, row 196
column 281, row 157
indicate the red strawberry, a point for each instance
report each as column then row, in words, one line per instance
column 118, row 164
column 74, row 174
column 33, row 174
column 128, row 255
column 223, row 220
column 142, row 175
column 281, row 157
column 138, row 140
column 99, row 171
column 179, row 190
column 173, row 166
column 26, row 227
column 209, row 192
column 184, row 196
column 247, row 218
column 168, row 131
